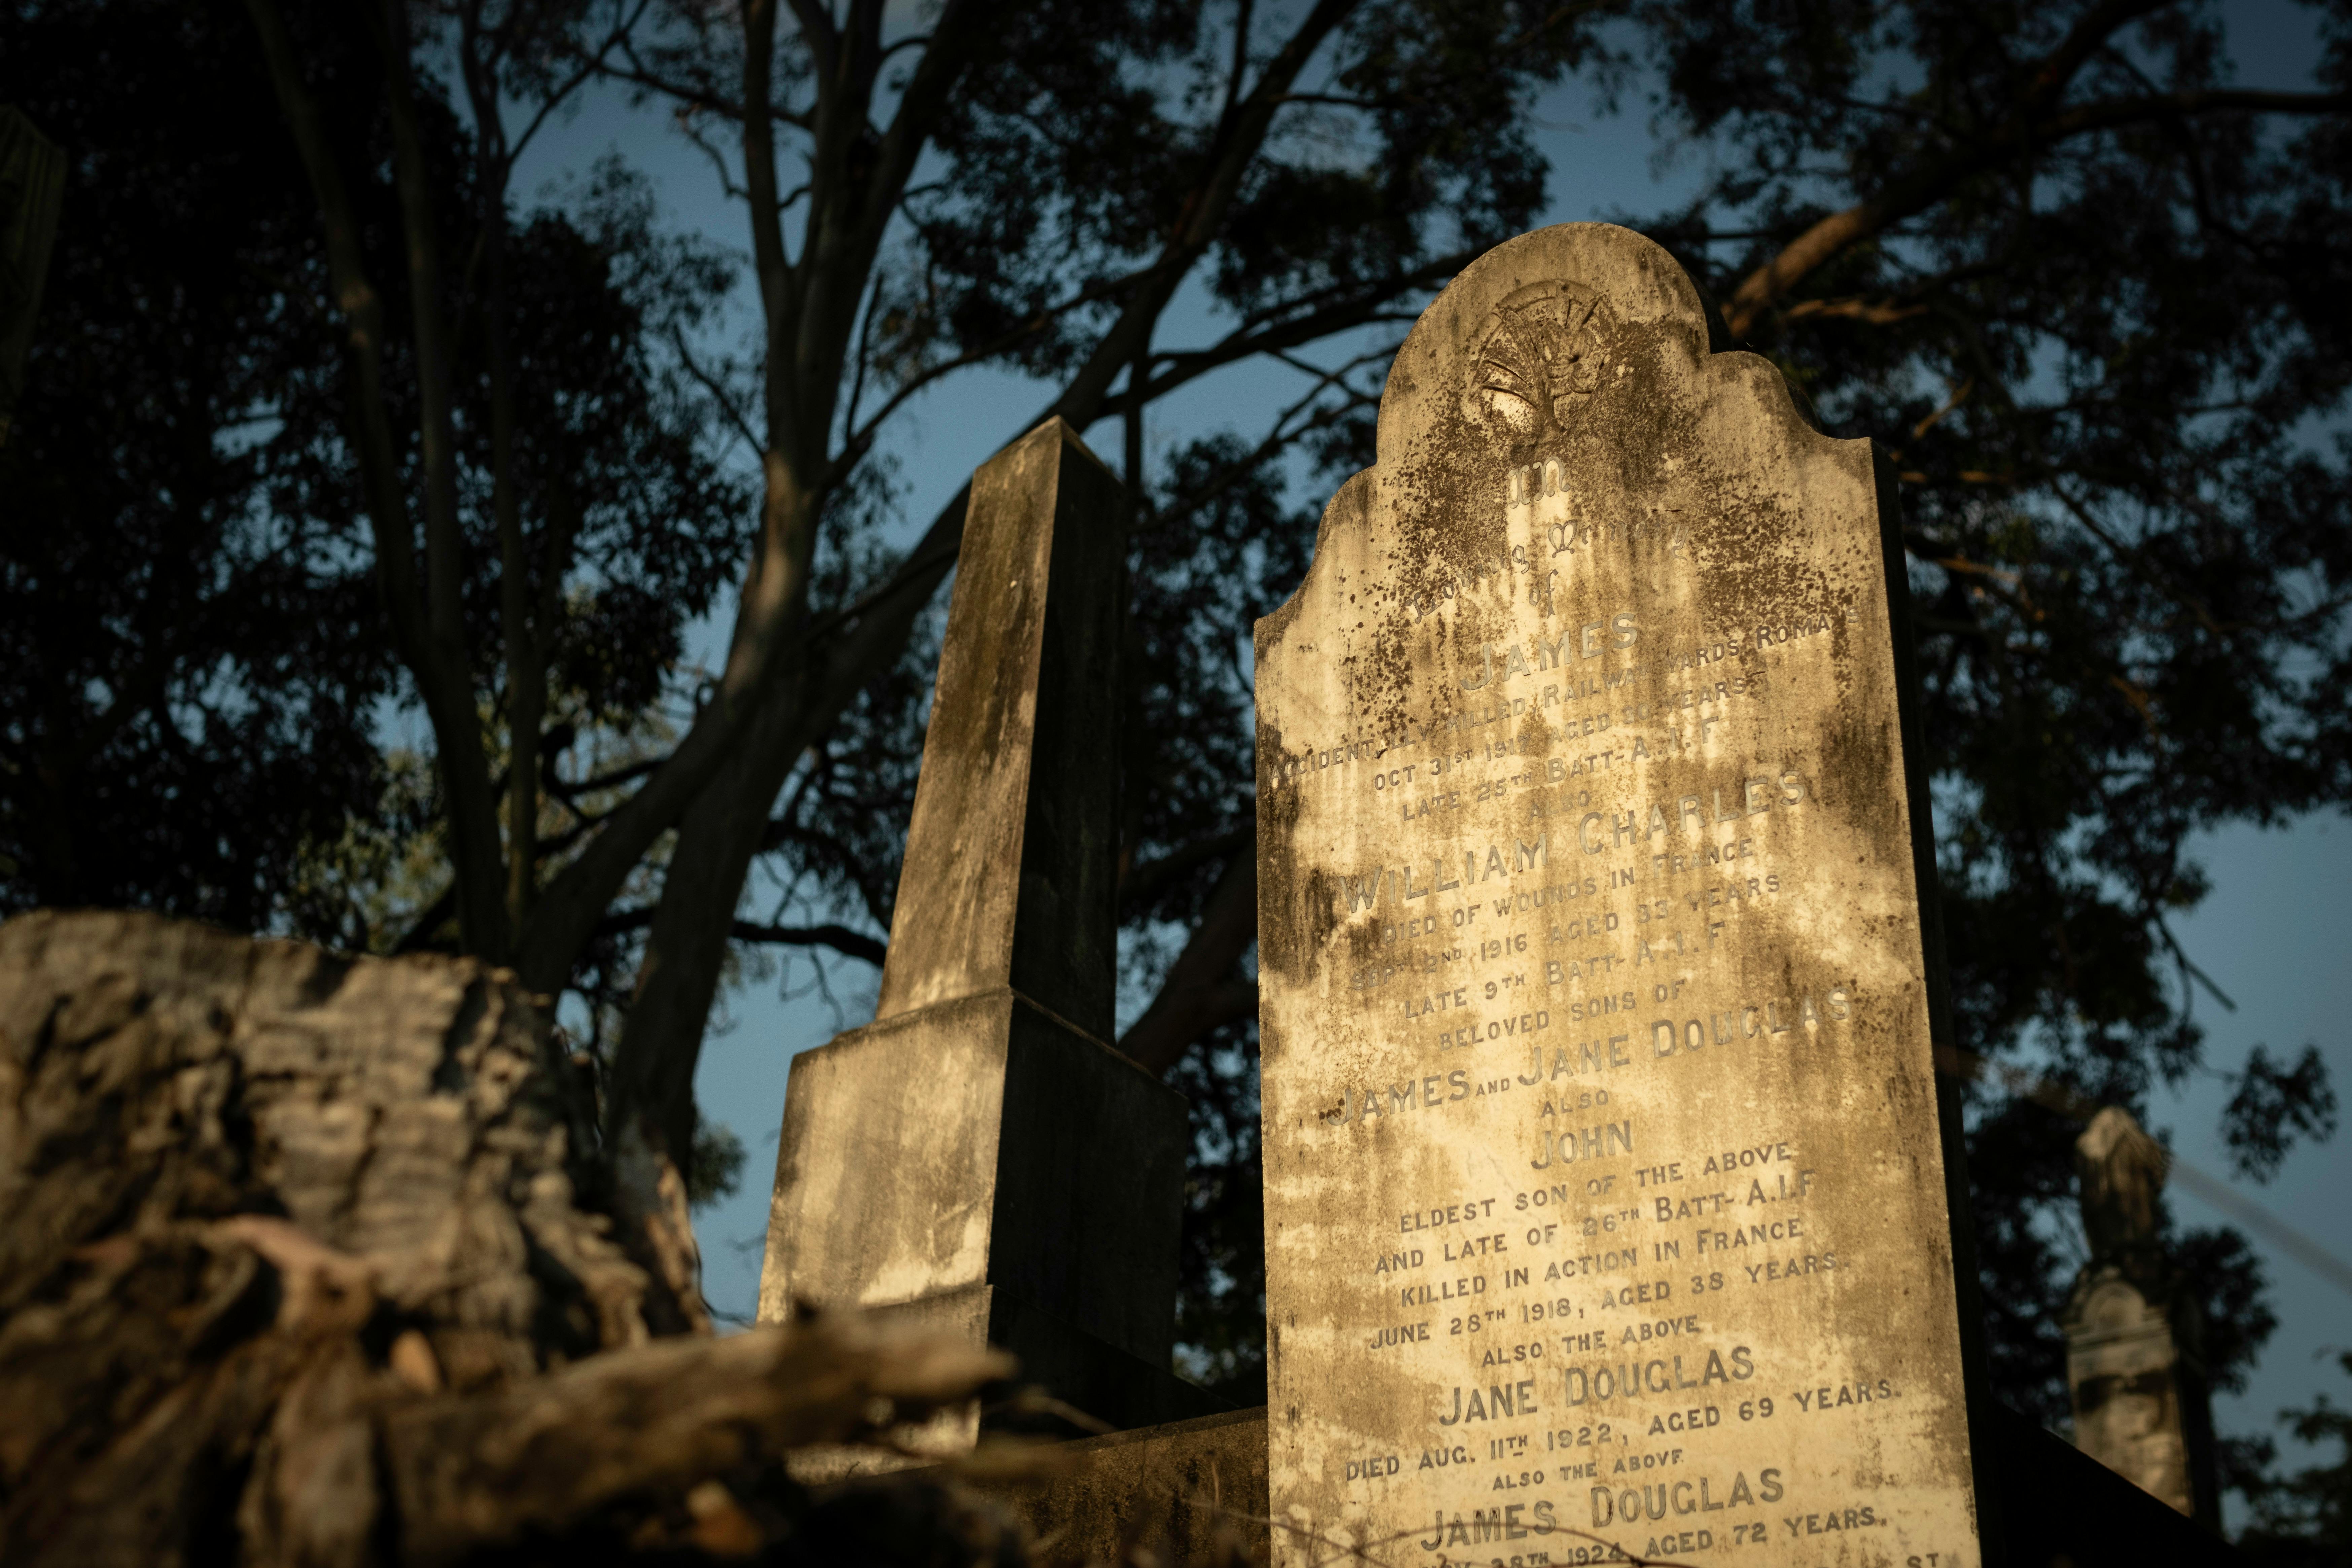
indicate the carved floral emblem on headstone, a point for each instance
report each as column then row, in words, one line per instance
column 1539, row 359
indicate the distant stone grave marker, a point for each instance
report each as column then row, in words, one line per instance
column 2134, row 1342
column 1608, row 1188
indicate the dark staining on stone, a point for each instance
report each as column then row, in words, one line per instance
column 1277, row 825
column 1322, row 913
column 1520, row 364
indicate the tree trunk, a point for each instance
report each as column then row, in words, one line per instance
column 306, row 1259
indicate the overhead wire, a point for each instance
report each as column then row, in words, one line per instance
column 2052, row 1094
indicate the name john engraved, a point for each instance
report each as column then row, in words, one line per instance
column 1604, row 1200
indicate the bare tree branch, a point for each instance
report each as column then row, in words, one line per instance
column 840, row 938
column 2030, row 128
column 1204, row 988
column 1142, row 882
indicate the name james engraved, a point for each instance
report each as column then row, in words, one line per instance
column 1605, row 1205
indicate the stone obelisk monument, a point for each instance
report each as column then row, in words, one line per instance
column 979, row 1160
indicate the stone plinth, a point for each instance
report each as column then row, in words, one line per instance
column 980, row 1157
column 950, row 1165
column 1608, row 1183
column 1187, row 1492
column 1191, row 1491
column 2140, row 1404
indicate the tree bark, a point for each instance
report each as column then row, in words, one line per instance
column 305, row 1261
column 426, row 616
column 1204, row 987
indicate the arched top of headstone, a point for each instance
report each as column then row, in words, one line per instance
column 1574, row 354
column 1544, row 336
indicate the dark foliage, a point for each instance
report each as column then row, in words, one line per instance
column 2115, row 389
column 1221, row 1315
column 196, row 664
column 2275, row 1107
column 187, row 679
column 2303, row 1520
column 1218, row 548
column 2110, row 387
column 1073, row 157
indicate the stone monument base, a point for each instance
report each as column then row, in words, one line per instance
column 2141, row 1407
column 952, row 1163
column 1100, row 1380
column 1194, row 1492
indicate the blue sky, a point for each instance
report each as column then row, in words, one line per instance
column 2270, row 935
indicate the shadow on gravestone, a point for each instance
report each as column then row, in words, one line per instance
column 979, row 1160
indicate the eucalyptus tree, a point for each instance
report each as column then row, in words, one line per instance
column 200, row 651
column 2086, row 290
column 2081, row 285
column 1094, row 161
column 140, row 595
column 1313, row 172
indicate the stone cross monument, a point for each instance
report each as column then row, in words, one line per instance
column 978, row 1159
column 2135, row 1363
column 1608, row 1183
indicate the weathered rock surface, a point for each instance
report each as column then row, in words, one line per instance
column 303, row 1261
column 1196, row 1488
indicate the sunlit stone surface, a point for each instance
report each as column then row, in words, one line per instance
column 1606, row 1199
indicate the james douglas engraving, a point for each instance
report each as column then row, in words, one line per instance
column 1606, row 1206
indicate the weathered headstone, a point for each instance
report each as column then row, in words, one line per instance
column 1608, row 1182
column 978, row 1159
column 2135, row 1361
